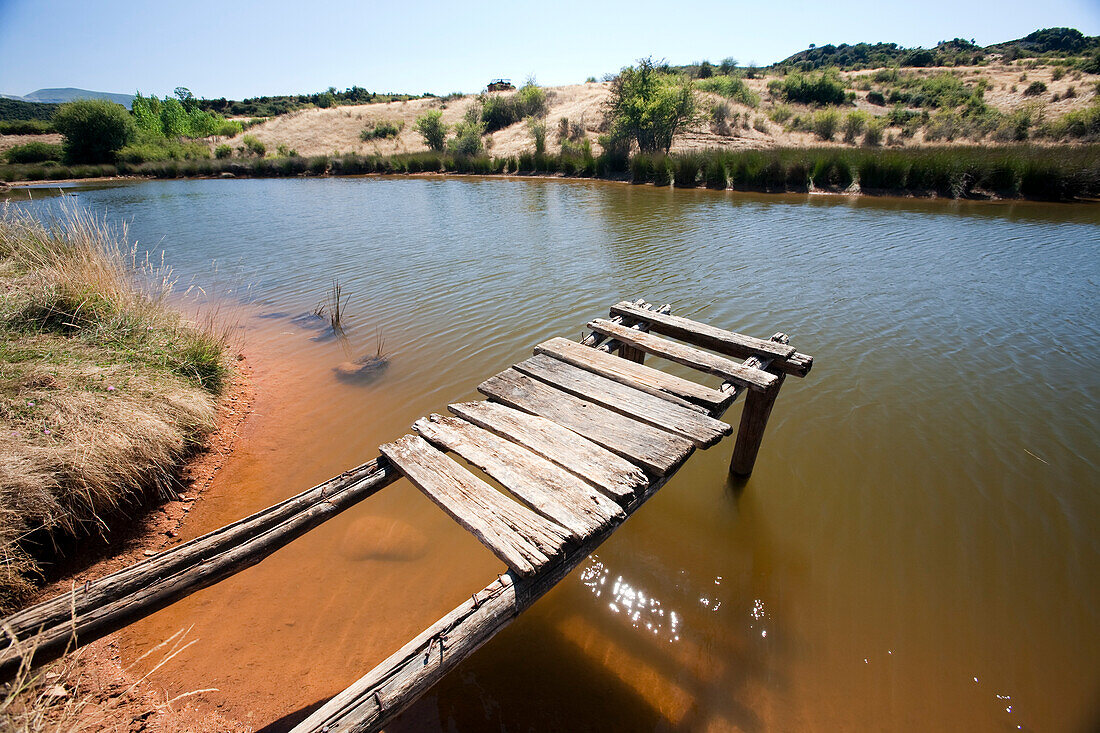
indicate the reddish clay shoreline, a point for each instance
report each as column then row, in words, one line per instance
column 118, row 699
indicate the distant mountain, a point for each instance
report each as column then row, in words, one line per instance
column 68, row 94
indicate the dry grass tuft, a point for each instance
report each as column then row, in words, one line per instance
column 103, row 389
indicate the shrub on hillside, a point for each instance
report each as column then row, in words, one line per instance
column 381, row 130
column 94, row 129
column 223, row 151
column 467, row 139
column 251, row 145
column 1035, row 88
column 26, row 127
column 649, row 106
column 822, row 89
column 431, row 127
column 33, row 152
column 730, row 87
column 502, row 110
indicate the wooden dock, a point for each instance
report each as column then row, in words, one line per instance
column 576, row 438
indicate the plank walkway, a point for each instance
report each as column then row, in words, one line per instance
column 576, row 439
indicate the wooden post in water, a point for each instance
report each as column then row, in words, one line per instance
column 754, row 417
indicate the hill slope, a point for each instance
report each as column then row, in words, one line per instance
column 68, row 94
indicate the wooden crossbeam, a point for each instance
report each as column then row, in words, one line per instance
column 703, row 334
column 687, row 355
column 666, row 386
column 783, row 357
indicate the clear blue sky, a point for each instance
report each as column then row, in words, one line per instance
column 239, row 48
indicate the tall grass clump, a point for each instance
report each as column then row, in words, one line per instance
column 103, row 387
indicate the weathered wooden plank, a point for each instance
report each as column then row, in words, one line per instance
column 652, row 448
column 102, row 606
column 548, row 489
column 703, row 334
column 612, row 474
column 686, row 355
column 654, row 381
column 522, row 539
column 697, row 427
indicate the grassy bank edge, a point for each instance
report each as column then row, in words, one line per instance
column 105, row 390
column 1053, row 173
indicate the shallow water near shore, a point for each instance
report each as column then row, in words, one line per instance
column 918, row 546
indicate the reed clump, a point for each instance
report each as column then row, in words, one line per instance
column 103, row 387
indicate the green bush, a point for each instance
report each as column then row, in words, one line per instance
column 780, row 114
column 26, row 127
column 884, row 172
column 826, row 123
column 832, row 171
column 730, row 87
column 876, row 98
column 649, row 106
column 148, row 148
column 381, row 130
column 467, row 139
column 251, row 145
column 854, row 124
column 223, row 151
column 686, row 169
column 822, row 89
column 33, row 152
column 873, row 136
column 537, row 129
column 502, row 110
column 716, row 175
column 431, row 127
column 94, row 129
column 1035, row 88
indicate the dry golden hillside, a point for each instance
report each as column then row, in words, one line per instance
column 336, row 130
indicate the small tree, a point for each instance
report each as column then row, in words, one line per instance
column 430, row 125
column 94, row 129
column 649, row 105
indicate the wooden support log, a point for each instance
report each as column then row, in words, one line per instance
column 754, row 418
column 92, row 611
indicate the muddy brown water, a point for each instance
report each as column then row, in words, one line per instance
column 918, row 547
